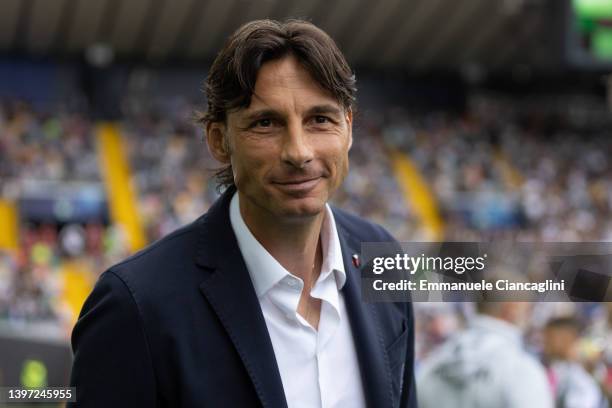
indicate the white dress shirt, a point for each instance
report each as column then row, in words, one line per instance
column 318, row 368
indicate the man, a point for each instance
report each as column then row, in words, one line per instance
column 257, row 303
column 486, row 365
column 573, row 386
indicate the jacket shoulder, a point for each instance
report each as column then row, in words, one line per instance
column 162, row 258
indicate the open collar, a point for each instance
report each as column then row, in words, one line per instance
column 230, row 292
column 265, row 270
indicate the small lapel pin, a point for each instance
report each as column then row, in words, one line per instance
column 356, row 261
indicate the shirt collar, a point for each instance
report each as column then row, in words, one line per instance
column 332, row 250
column 266, row 271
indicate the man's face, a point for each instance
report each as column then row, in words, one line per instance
column 560, row 343
column 289, row 148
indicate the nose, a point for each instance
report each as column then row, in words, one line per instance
column 296, row 150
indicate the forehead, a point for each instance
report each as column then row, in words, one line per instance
column 285, row 83
column 561, row 329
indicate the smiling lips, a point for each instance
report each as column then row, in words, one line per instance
column 298, row 186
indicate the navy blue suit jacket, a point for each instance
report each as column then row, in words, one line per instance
column 179, row 325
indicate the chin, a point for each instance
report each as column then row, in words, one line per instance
column 301, row 209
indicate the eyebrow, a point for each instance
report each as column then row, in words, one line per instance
column 327, row 108
column 260, row 114
column 317, row 109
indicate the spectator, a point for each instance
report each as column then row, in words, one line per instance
column 572, row 385
column 485, row 365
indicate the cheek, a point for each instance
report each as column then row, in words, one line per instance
column 341, row 160
column 344, row 168
column 250, row 164
column 339, row 163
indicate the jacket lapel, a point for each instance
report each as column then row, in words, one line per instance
column 229, row 290
column 367, row 333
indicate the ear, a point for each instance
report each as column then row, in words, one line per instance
column 218, row 145
column 349, row 123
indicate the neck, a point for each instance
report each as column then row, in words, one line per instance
column 295, row 244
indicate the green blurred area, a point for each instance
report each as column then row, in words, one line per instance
column 593, row 9
column 593, row 18
column 602, row 43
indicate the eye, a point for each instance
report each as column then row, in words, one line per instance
column 264, row 123
column 319, row 119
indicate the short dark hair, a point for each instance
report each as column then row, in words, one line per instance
column 232, row 76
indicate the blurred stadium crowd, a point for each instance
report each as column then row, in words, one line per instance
column 500, row 169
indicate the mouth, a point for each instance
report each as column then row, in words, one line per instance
column 299, row 186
